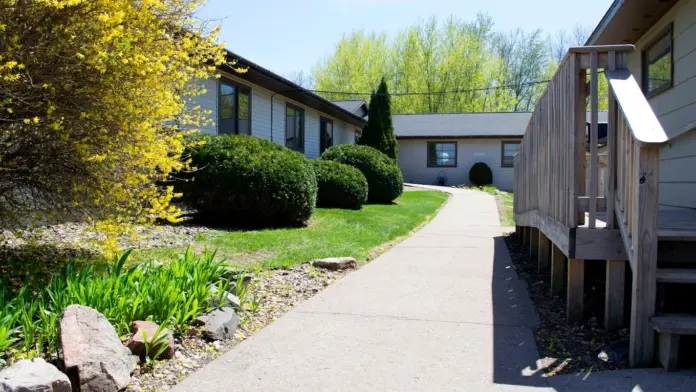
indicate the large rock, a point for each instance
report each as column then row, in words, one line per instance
column 146, row 331
column 92, row 349
column 36, row 375
column 335, row 263
column 220, row 324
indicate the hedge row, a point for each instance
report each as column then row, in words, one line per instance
column 240, row 180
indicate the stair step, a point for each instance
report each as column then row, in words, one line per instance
column 676, row 275
column 676, row 324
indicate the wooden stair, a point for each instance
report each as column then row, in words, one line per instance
column 670, row 327
column 676, row 275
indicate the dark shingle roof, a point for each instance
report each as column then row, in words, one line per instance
column 504, row 124
column 351, row 105
column 461, row 124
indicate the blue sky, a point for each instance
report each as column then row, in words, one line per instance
column 293, row 35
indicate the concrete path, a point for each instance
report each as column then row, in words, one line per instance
column 441, row 311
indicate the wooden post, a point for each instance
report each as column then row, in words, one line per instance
column 593, row 139
column 558, row 270
column 645, row 212
column 543, row 262
column 614, row 295
column 576, row 285
column 533, row 243
column 612, row 151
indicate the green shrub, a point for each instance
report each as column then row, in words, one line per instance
column 173, row 294
column 480, row 174
column 247, row 181
column 384, row 179
column 340, row 186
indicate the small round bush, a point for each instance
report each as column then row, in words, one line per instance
column 246, row 181
column 480, row 174
column 340, row 186
column 384, row 179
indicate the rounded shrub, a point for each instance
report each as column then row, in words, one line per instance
column 242, row 180
column 384, row 179
column 340, row 186
column 480, row 174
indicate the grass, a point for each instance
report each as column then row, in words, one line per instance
column 331, row 233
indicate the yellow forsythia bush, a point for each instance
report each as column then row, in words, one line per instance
column 92, row 106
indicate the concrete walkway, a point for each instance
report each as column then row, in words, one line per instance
column 441, row 311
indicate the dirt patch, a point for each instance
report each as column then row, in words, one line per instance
column 273, row 292
column 565, row 348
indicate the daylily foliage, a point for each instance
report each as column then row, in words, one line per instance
column 93, row 106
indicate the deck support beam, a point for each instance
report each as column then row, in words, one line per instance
column 576, row 287
column 533, row 243
column 614, row 294
column 543, row 262
column 668, row 351
column 558, row 270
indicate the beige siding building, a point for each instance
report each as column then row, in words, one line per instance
column 442, row 148
column 664, row 62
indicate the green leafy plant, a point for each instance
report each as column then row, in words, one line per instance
column 174, row 294
column 384, row 178
column 340, row 185
column 247, row 181
column 155, row 347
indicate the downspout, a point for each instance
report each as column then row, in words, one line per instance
column 272, row 95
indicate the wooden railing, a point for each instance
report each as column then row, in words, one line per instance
column 558, row 178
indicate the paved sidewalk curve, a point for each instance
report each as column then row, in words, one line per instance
column 441, row 311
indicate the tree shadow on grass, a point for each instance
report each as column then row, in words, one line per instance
column 35, row 265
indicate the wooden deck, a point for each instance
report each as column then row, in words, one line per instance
column 674, row 223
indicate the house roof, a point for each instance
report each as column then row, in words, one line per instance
column 263, row 77
column 357, row 106
column 626, row 21
column 467, row 125
column 461, row 125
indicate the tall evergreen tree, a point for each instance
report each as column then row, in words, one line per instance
column 379, row 131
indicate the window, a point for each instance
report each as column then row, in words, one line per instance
column 442, row 154
column 358, row 134
column 509, row 151
column 234, row 114
column 326, row 134
column 294, row 128
column 657, row 68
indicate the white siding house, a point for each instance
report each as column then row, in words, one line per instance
column 442, row 148
column 269, row 96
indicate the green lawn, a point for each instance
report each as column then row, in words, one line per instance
column 505, row 208
column 331, row 233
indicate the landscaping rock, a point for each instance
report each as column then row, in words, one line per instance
column 92, row 349
column 35, row 375
column 336, row 263
column 232, row 300
column 137, row 343
column 220, row 324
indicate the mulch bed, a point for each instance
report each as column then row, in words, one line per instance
column 565, row 348
column 275, row 291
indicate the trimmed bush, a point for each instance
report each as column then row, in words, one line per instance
column 384, row 179
column 340, row 186
column 247, row 181
column 480, row 174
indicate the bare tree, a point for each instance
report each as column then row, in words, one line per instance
column 302, row 79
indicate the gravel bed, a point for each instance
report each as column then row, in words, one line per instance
column 274, row 291
column 584, row 347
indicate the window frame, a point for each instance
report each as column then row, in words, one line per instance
column 502, row 152
column 303, row 130
column 322, row 137
column 237, row 88
column 433, row 163
column 645, row 72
